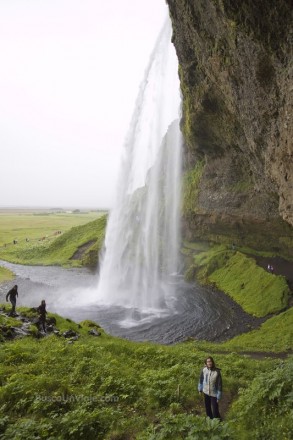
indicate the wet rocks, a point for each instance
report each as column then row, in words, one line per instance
column 94, row 332
column 7, row 332
column 69, row 334
column 20, row 326
column 51, row 321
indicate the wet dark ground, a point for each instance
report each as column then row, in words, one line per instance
column 202, row 313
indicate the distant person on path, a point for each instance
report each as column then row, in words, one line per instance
column 210, row 384
column 270, row 268
column 42, row 314
column 12, row 294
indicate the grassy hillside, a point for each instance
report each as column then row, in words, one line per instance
column 274, row 335
column 36, row 225
column 257, row 291
column 60, row 250
column 108, row 388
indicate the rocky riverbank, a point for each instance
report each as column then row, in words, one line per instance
column 27, row 323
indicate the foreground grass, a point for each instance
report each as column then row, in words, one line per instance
column 60, row 250
column 257, row 291
column 108, row 388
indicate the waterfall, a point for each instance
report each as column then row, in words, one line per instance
column 142, row 239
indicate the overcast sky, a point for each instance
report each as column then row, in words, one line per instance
column 69, row 75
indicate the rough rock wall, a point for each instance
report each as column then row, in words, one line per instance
column 235, row 67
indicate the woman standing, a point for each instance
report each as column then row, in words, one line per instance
column 210, row 384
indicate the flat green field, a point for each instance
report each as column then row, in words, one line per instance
column 34, row 226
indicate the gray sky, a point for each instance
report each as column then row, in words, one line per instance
column 69, row 75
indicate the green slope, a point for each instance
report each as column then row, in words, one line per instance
column 109, row 388
column 61, row 250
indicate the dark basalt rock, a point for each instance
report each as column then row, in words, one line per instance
column 94, row 332
column 69, row 334
column 236, row 75
column 51, row 321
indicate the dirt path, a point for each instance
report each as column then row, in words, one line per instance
column 81, row 250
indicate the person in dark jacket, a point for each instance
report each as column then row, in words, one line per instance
column 12, row 294
column 42, row 314
column 210, row 384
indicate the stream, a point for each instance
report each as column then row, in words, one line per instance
column 200, row 312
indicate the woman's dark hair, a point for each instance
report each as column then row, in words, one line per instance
column 213, row 362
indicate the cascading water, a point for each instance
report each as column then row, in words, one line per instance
column 142, row 237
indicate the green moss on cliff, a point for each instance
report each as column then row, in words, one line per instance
column 191, row 180
column 233, row 64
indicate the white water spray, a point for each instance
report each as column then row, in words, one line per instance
column 142, row 237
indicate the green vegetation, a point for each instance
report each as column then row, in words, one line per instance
column 5, row 274
column 9, row 321
column 191, row 181
column 275, row 334
column 34, row 226
column 109, row 388
column 270, row 399
column 257, row 291
column 60, row 250
column 241, row 186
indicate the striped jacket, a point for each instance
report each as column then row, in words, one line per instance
column 210, row 382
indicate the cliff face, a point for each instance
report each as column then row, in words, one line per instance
column 235, row 67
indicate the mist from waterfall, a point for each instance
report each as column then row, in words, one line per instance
column 141, row 255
